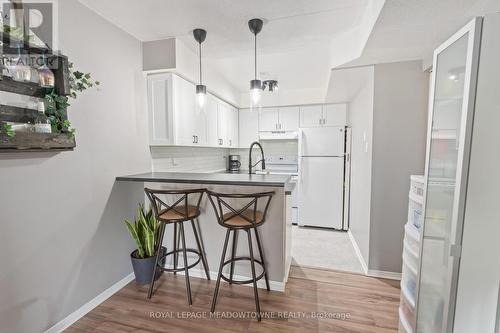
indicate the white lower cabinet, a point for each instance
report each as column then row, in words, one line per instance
column 176, row 119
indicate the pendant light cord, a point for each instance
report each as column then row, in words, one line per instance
column 255, row 49
column 200, row 61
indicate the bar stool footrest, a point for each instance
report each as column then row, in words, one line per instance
column 257, row 278
column 179, row 269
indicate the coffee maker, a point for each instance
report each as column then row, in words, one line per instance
column 233, row 163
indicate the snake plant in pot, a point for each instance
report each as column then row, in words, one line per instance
column 145, row 231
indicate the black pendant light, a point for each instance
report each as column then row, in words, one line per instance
column 255, row 26
column 201, row 90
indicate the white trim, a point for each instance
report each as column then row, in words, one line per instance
column 358, row 252
column 90, row 305
column 384, row 274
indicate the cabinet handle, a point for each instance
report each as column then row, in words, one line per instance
column 221, row 142
column 230, row 142
column 194, row 141
column 196, row 138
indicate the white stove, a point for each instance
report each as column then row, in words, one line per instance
column 285, row 165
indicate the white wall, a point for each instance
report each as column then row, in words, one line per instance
column 478, row 303
column 361, row 121
column 399, row 143
column 62, row 240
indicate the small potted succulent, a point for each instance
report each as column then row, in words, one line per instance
column 145, row 231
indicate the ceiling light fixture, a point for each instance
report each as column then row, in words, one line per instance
column 271, row 85
column 255, row 26
column 201, row 90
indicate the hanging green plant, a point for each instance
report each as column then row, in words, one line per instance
column 7, row 130
column 56, row 106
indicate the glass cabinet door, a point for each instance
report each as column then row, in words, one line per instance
column 452, row 96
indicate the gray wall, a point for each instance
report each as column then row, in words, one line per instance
column 478, row 303
column 361, row 121
column 62, row 241
column 399, row 143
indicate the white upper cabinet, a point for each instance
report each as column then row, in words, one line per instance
column 311, row 115
column 187, row 118
column 233, row 127
column 335, row 114
column 211, row 112
column 249, row 127
column 268, row 119
column 227, row 125
column 176, row 119
column 279, row 119
column 323, row 115
column 159, row 103
column 289, row 118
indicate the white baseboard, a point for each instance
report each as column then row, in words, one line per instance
column 358, row 252
column 384, row 274
column 90, row 305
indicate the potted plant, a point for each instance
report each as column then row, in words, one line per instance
column 145, row 232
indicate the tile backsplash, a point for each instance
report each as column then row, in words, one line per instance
column 169, row 158
column 197, row 159
column 278, row 147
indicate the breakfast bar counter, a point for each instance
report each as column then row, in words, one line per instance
column 275, row 232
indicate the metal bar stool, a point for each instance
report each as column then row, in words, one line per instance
column 177, row 213
column 246, row 218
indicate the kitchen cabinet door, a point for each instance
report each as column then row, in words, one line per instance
column 289, row 118
column 222, row 123
column 311, row 115
column 186, row 120
column 268, row 120
column 248, row 127
column 211, row 112
column 334, row 114
column 232, row 138
column 160, row 109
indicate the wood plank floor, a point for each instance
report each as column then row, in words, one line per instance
column 353, row 303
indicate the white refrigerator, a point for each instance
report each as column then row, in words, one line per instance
column 321, row 177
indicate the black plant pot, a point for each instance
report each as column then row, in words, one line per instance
column 143, row 267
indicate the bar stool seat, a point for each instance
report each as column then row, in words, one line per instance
column 242, row 220
column 180, row 213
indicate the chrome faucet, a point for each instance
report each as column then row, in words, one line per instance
column 250, row 166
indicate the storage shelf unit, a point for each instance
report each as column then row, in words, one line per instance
column 27, row 141
column 407, row 315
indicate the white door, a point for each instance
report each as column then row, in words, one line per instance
column 248, row 127
column 185, row 111
column 321, row 191
column 324, row 141
column 160, row 109
column 311, row 115
column 268, row 120
column 454, row 77
column 211, row 114
column 289, row 118
column 335, row 114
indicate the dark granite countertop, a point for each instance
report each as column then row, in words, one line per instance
column 243, row 179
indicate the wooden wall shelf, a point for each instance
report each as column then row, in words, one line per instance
column 26, row 141
column 36, row 142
